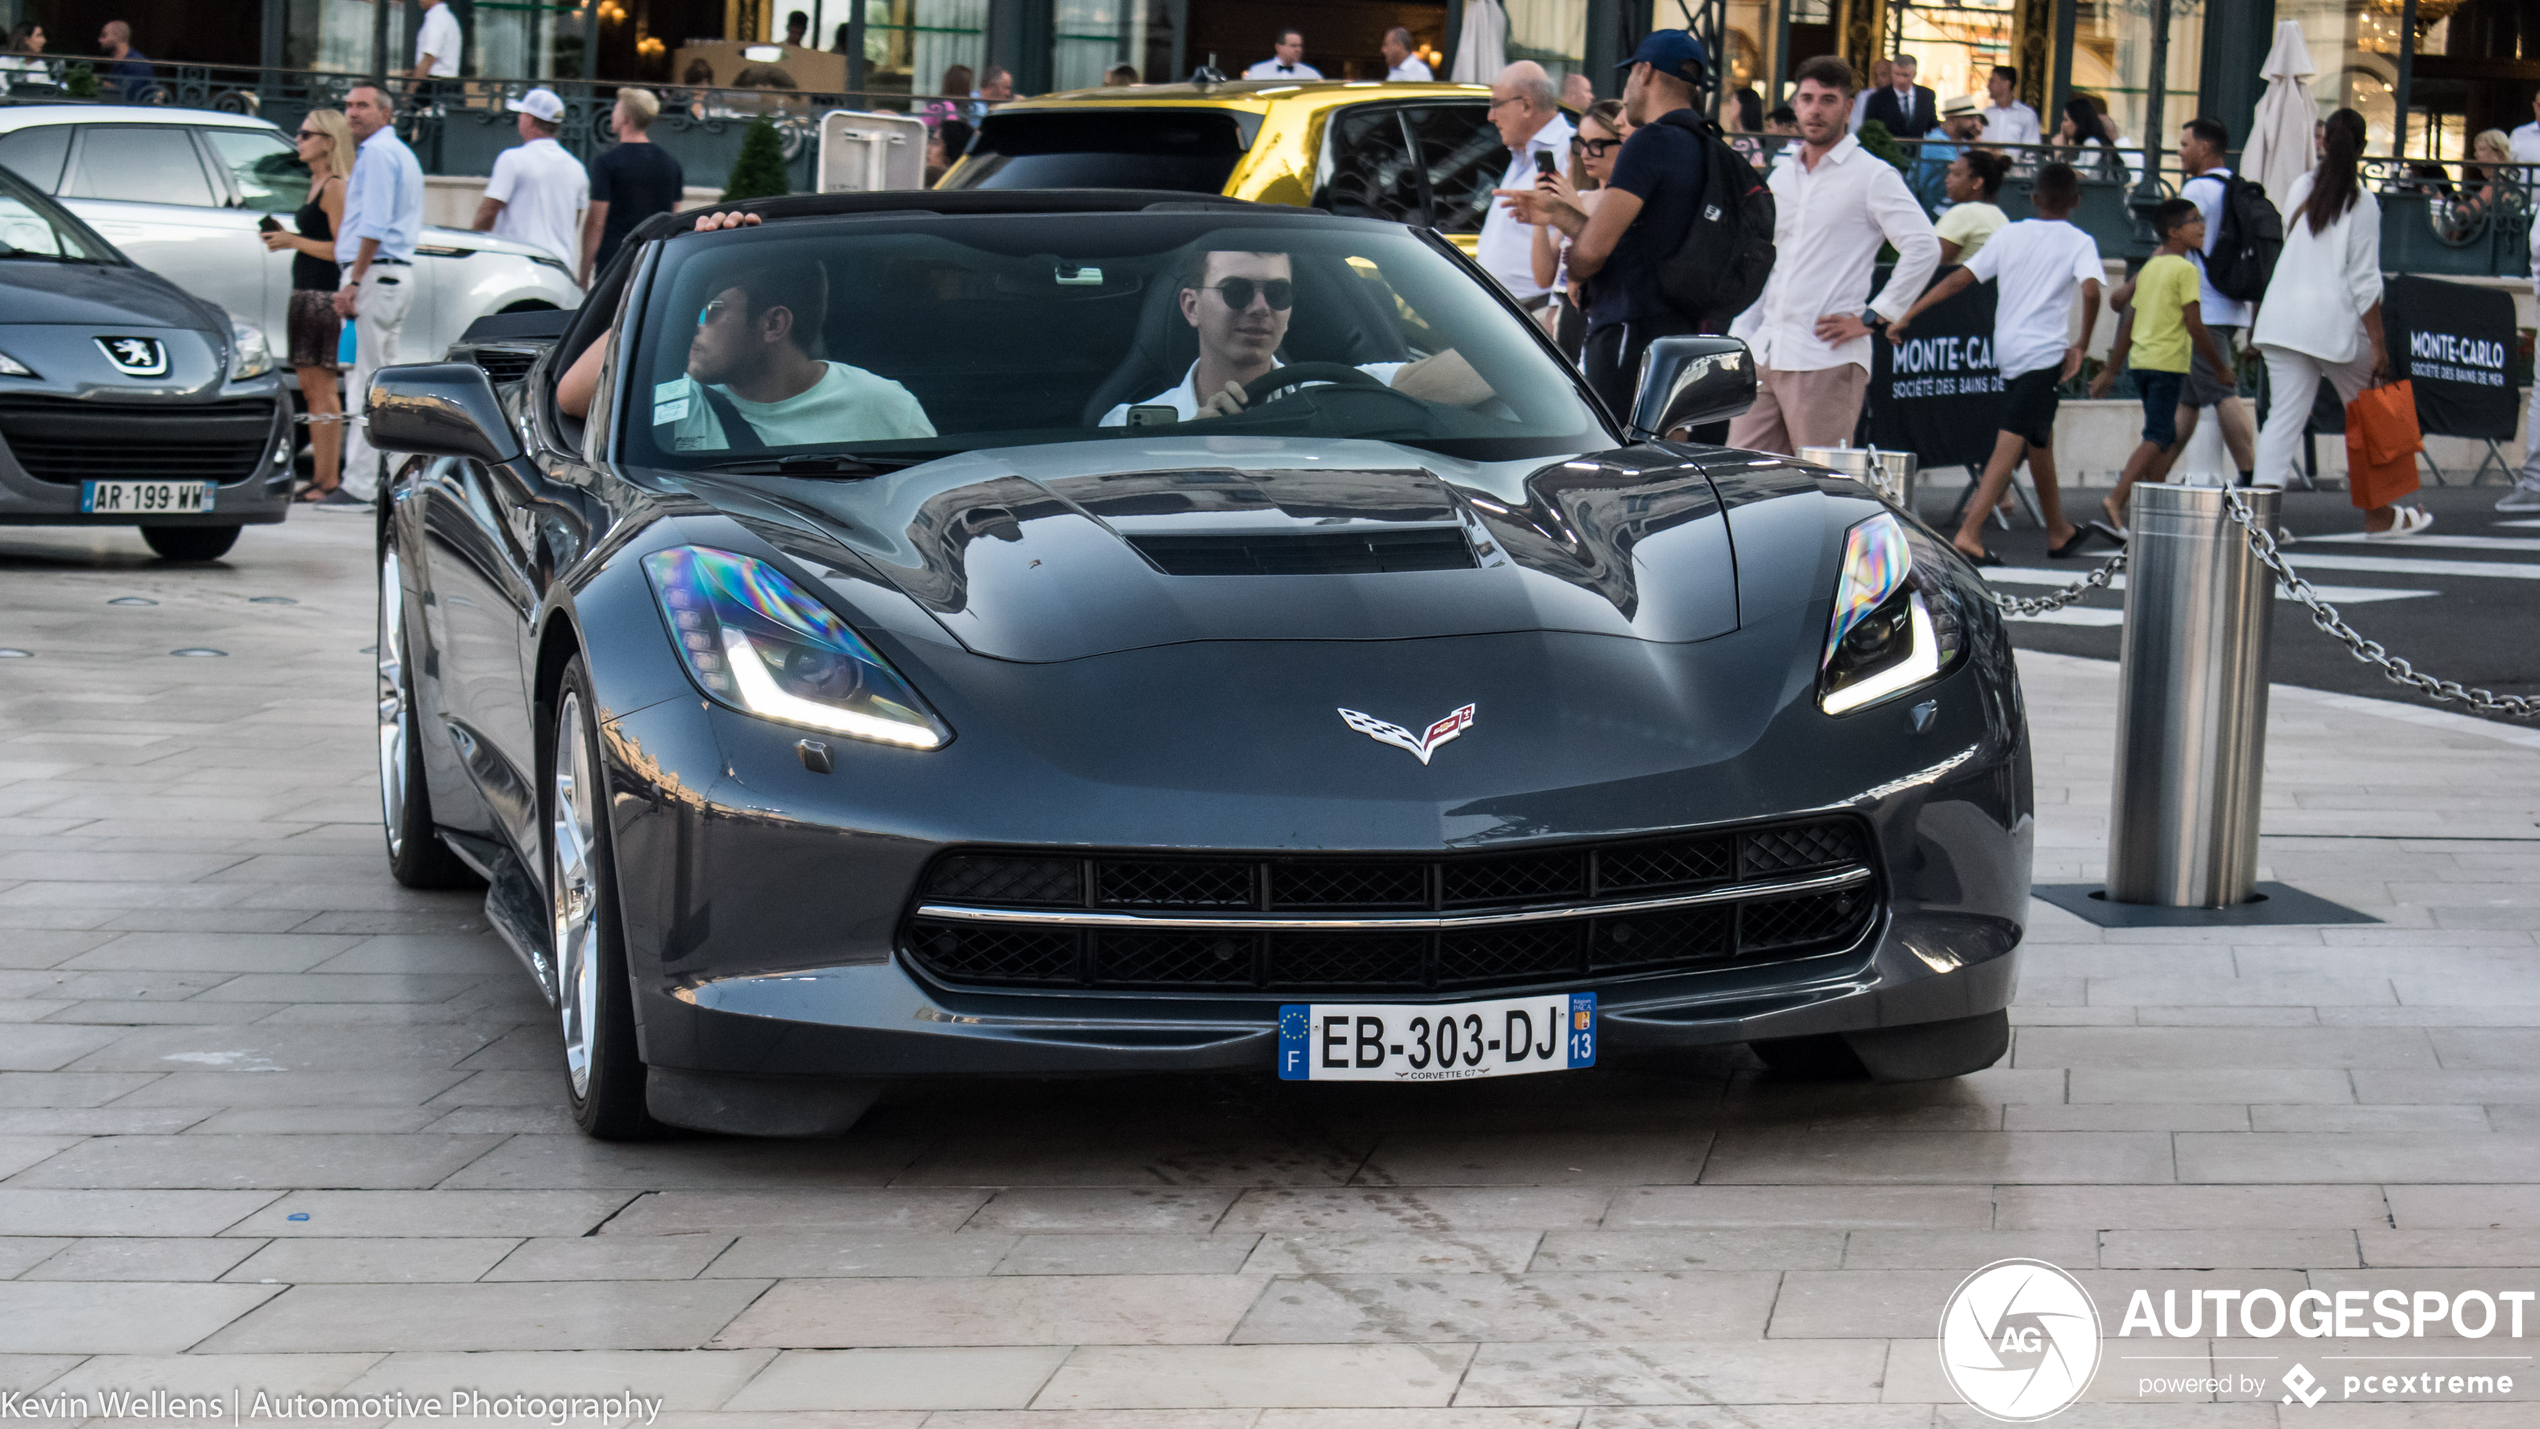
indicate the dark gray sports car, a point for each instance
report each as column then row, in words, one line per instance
column 1016, row 633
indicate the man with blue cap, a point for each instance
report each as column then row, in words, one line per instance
column 1648, row 207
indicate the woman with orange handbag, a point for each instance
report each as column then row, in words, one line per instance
column 2321, row 318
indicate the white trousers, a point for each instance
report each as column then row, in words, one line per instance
column 2293, row 382
column 379, row 319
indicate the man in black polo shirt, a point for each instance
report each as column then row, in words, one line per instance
column 1640, row 220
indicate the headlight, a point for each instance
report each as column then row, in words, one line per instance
column 754, row 640
column 248, row 355
column 11, row 367
column 1896, row 617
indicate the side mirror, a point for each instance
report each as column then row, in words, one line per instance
column 439, row 409
column 1685, row 381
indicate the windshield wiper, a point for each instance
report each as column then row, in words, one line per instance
column 820, row 464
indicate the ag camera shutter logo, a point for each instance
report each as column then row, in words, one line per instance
column 2019, row 1340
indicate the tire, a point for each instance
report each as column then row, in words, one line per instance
column 595, row 999
column 416, row 856
column 190, row 543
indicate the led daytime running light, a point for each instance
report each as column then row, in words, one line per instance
column 1920, row 664
column 754, row 640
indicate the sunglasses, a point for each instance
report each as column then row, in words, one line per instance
column 308, row 134
column 1279, row 293
column 1595, row 148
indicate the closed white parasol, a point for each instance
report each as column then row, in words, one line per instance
column 2279, row 149
column 1481, row 52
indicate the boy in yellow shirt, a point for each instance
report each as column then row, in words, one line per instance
column 2163, row 311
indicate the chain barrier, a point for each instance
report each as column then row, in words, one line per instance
column 2262, row 543
column 2057, row 600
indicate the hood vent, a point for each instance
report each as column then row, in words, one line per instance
column 1321, row 553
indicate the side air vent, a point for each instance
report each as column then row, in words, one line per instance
column 1318, row 554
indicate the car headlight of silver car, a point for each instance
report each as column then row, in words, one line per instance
column 1897, row 617
column 249, row 356
column 754, row 640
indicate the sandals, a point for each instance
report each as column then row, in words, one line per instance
column 1978, row 558
column 314, row 493
column 2072, row 548
column 2406, row 521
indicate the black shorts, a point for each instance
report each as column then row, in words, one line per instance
column 2028, row 405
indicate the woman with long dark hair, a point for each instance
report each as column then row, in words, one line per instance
column 2084, row 128
column 2322, row 313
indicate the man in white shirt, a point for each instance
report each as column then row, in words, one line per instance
column 437, row 47
column 1401, row 65
column 1287, row 60
column 2526, row 142
column 2201, row 143
column 1239, row 305
column 375, row 247
column 746, row 360
column 1834, row 204
column 1882, row 73
column 1527, row 110
column 2007, row 120
column 538, row 191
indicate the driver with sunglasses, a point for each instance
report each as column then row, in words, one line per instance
column 1239, row 304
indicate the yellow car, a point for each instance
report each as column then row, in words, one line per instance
column 1410, row 153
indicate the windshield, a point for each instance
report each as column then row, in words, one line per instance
column 903, row 338
column 1191, row 150
column 33, row 226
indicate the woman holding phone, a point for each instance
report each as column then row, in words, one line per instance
column 1602, row 130
column 326, row 145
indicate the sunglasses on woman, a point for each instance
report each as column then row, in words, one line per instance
column 1279, row 293
column 1594, row 148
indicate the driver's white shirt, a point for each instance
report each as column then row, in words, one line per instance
column 1184, row 400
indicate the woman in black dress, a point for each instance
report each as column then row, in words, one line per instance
column 326, row 146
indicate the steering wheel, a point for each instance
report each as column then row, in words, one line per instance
column 1297, row 374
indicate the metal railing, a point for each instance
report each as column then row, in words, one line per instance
column 457, row 126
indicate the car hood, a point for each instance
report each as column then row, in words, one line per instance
column 1058, row 552
column 38, row 292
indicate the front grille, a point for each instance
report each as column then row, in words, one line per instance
column 1773, row 923
column 67, row 441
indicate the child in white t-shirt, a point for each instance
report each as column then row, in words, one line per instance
column 2038, row 265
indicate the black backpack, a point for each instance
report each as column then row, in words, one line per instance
column 1718, row 271
column 2245, row 251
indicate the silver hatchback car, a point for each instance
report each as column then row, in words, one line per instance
column 180, row 192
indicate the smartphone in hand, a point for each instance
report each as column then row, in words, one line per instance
column 269, row 224
column 1545, row 162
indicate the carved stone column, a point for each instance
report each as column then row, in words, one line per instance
column 2033, row 47
column 1861, row 31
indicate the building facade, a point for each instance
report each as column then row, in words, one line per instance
column 2450, row 68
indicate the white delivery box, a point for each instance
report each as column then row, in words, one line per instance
column 868, row 152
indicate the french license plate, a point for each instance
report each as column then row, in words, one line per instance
column 145, row 498
column 1445, row 1042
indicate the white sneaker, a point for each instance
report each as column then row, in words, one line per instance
column 2408, row 521
column 2522, row 498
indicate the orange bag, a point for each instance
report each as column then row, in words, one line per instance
column 2382, row 442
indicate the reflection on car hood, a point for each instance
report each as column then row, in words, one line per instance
column 1075, row 559
column 35, row 291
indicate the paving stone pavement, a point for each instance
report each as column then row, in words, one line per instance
column 269, row 1122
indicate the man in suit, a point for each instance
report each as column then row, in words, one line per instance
column 1907, row 109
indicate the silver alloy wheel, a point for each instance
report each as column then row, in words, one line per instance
column 572, row 894
column 396, row 709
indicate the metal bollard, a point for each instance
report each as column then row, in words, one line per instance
column 2191, row 702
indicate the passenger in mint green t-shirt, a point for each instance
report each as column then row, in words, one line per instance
column 749, row 350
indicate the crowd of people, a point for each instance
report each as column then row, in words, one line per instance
column 1603, row 221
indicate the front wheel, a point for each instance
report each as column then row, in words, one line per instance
column 190, row 543
column 594, row 999
column 416, row 856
